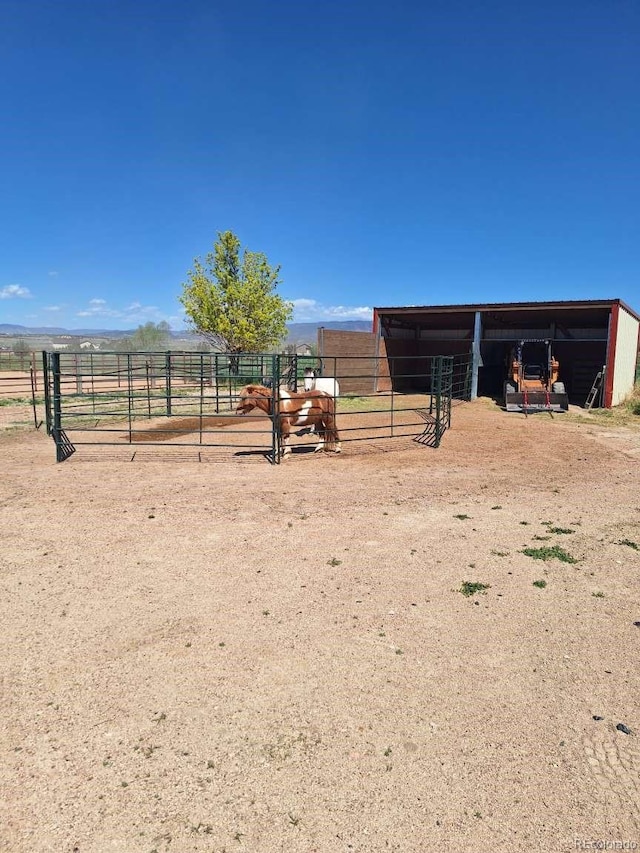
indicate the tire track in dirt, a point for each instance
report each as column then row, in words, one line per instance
column 615, row 767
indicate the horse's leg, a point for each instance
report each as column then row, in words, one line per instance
column 333, row 437
column 285, row 437
column 319, row 429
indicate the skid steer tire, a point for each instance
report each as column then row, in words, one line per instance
column 558, row 388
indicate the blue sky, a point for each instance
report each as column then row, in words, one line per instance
column 384, row 154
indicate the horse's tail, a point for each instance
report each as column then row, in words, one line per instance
column 331, row 434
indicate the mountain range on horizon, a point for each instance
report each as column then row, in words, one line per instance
column 297, row 332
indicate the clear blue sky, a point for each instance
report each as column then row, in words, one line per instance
column 383, row 153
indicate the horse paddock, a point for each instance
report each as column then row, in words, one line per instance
column 341, row 653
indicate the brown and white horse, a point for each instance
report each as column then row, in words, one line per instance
column 310, row 408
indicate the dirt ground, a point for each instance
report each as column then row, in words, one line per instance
column 229, row 656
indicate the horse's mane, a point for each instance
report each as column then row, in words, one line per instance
column 257, row 391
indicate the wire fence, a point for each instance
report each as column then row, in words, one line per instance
column 22, row 381
column 20, row 374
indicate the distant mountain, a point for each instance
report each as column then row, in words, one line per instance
column 297, row 332
column 26, row 331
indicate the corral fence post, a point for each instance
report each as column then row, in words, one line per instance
column 167, row 380
column 201, row 402
column 392, row 407
column 78, row 371
column 276, row 449
column 436, row 387
column 57, row 406
column 447, row 388
column 47, row 390
column 130, row 395
column 34, row 385
column 93, row 385
column 217, row 385
column 148, row 388
column 442, row 388
column 64, row 448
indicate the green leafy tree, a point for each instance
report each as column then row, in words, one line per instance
column 150, row 336
column 121, row 345
column 21, row 347
column 231, row 300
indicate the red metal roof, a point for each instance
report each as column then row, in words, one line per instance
column 575, row 304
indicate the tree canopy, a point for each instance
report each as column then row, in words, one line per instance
column 231, row 301
column 146, row 338
column 21, row 346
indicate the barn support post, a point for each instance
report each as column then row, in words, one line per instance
column 476, row 361
column 376, row 331
column 611, row 356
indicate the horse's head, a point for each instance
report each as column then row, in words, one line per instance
column 309, row 378
column 250, row 397
column 247, row 400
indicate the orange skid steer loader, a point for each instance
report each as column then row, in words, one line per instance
column 532, row 384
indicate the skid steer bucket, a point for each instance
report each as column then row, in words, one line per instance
column 536, row 401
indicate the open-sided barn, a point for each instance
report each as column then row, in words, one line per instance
column 588, row 337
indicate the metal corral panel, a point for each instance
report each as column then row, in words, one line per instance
column 625, row 356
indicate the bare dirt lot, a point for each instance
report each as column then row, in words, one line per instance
column 228, row 655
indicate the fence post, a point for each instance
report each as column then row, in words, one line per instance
column 57, row 405
column 275, row 411
column 130, row 391
column 78, row 366
column 148, row 374
column 93, row 386
column 449, row 388
column 167, row 382
column 438, row 383
column 47, row 394
column 32, row 371
column 392, row 404
column 201, row 393
column 217, row 386
column 431, row 378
